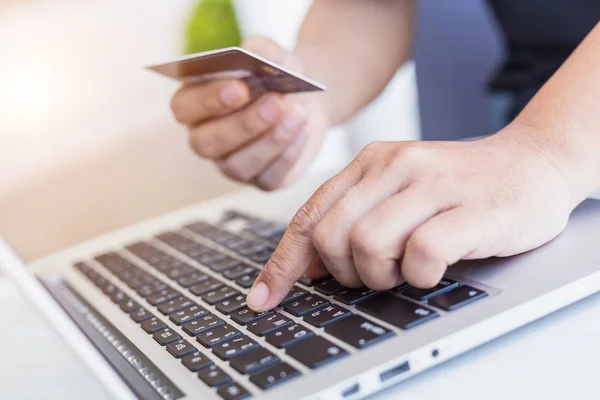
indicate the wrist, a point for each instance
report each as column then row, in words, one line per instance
column 565, row 152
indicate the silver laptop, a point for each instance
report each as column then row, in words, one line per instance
column 157, row 310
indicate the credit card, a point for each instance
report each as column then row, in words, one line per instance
column 237, row 63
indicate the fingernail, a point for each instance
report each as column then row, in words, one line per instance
column 258, row 296
column 294, row 119
column 230, row 94
column 269, row 110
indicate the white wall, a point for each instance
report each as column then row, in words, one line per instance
column 72, row 83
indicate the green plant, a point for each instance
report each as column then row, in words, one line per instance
column 213, row 25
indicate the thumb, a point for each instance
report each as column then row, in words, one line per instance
column 268, row 48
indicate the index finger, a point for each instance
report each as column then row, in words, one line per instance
column 296, row 252
column 193, row 104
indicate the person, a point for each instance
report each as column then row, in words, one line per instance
column 409, row 210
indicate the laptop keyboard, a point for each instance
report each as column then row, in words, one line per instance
column 202, row 275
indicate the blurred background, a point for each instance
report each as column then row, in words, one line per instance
column 87, row 141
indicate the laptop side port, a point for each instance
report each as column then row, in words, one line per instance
column 350, row 391
column 394, row 371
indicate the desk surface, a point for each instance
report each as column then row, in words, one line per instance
column 555, row 357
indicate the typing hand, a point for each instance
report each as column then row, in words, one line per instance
column 268, row 141
column 411, row 209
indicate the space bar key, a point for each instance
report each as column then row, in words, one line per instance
column 396, row 311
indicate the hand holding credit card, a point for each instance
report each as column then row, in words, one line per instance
column 260, row 74
column 236, row 106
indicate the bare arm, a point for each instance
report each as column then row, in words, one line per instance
column 355, row 47
column 409, row 210
column 565, row 117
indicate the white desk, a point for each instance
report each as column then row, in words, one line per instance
column 554, row 358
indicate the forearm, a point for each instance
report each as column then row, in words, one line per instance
column 355, row 47
column 564, row 118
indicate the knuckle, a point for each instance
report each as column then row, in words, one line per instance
column 408, row 154
column 321, row 239
column 305, row 219
column 201, row 145
column 177, row 107
column 250, row 122
column 364, row 240
column 266, row 185
column 277, row 270
column 421, row 245
column 231, row 169
column 380, row 280
column 211, row 105
column 370, row 150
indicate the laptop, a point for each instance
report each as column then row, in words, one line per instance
column 157, row 311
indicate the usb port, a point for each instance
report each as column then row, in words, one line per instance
column 351, row 390
column 394, row 372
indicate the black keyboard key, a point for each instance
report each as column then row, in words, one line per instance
column 287, row 336
column 426, row 294
column 233, row 348
column 456, row 298
column 233, row 391
column 307, row 281
column 217, row 335
column 254, row 248
column 233, row 241
column 305, row 304
column 315, row 351
column 151, row 289
column 269, row 324
column 214, row 257
column 353, row 296
column 153, row 325
column 180, row 272
column 207, row 286
column 245, row 315
column 400, row 288
column 192, row 279
column 189, row 314
column 163, row 296
column 129, row 306
column 196, row 361
column 180, row 348
column 196, row 250
column 254, row 360
column 118, row 297
column 396, row 311
column 232, row 304
column 109, row 289
column 328, row 287
column 140, row 315
column 294, row 294
column 326, row 315
column 202, row 324
column 175, row 305
column 219, row 295
column 225, row 264
column 247, row 281
column 239, row 243
column 238, row 271
column 214, row 376
column 139, row 281
column 358, row 331
column 166, row 336
column 262, row 256
column 274, row 376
